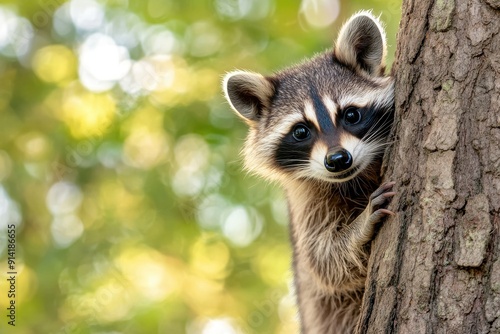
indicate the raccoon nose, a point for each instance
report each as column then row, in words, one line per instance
column 338, row 161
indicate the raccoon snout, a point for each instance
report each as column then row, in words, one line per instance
column 338, row 161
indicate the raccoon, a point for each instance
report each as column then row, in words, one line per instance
column 320, row 130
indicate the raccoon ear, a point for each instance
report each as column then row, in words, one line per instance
column 248, row 93
column 361, row 44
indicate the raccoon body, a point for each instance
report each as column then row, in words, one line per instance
column 320, row 130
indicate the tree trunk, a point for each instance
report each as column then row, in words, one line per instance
column 435, row 265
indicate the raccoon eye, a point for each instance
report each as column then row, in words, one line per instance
column 352, row 116
column 300, row 132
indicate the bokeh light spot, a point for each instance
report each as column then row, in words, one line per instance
column 54, row 63
column 86, row 14
column 192, row 157
column 273, row 264
column 152, row 274
column 34, row 145
column 220, row 326
column 243, row 9
column 242, row 226
column 66, row 229
column 210, row 258
column 16, row 34
column 320, row 13
column 87, row 114
column 64, row 197
column 209, row 211
column 145, row 150
column 204, row 39
column 102, row 62
column 9, row 211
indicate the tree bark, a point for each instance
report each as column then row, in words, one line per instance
column 435, row 265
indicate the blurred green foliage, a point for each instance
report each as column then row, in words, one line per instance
column 119, row 162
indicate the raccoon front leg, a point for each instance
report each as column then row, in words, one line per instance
column 338, row 258
column 363, row 226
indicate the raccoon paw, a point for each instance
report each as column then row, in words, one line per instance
column 379, row 201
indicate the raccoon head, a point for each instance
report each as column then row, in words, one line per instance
column 325, row 119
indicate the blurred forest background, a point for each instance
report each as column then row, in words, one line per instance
column 119, row 162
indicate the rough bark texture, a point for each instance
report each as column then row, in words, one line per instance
column 435, row 265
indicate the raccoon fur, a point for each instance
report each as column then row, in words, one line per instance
column 320, row 129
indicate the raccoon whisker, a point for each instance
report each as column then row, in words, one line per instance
column 360, row 181
column 375, row 147
column 357, row 181
column 292, row 160
column 381, row 128
column 374, row 135
column 382, row 144
column 295, row 163
column 342, row 186
column 376, row 125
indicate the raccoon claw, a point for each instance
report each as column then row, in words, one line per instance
column 378, row 215
column 382, row 196
column 379, row 201
column 385, row 212
column 383, row 188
